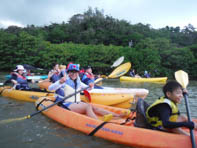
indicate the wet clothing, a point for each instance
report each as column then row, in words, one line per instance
column 164, row 113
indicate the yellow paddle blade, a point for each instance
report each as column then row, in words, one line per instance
column 182, row 78
column 12, row 120
column 97, row 80
column 120, row 70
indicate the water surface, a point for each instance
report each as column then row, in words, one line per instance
column 40, row 131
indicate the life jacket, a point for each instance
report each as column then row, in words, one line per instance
column 132, row 74
column 21, row 82
column 55, row 77
column 87, row 78
column 81, row 73
column 155, row 121
column 67, row 89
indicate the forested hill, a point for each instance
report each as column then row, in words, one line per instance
column 95, row 39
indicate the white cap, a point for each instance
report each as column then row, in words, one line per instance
column 19, row 67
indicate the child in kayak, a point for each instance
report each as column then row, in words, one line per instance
column 54, row 74
column 18, row 78
column 164, row 114
column 69, row 85
column 89, row 77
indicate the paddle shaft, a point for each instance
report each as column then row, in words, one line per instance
column 189, row 119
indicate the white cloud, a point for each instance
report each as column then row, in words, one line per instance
column 154, row 12
column 7, row 23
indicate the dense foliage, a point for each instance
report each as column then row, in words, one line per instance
column 94, row 39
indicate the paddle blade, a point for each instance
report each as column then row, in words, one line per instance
column 118, row 62
column 98, row 80
column 182, row 78
column 120, row 71
column 12, row 120
column 87, row 95
column 29, row 67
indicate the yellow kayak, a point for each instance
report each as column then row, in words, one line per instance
column 137, row 92
column 110, row 99
column 29, row 96
column 134, row 79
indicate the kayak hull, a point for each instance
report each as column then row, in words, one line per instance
column 136, row 92
column 31, row 77
column 29, row 96
column 134, row 79
column 126, row 134
column 118, row 100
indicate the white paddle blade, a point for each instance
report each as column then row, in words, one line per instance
column 182, row 78
column 118, row 62
column 1, row 84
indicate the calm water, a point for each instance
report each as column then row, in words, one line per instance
column 40, row 131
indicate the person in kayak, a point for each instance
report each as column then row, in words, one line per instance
column 55, row 74
column 18, row 78
column 88, row 77
column 69, row 85
column 164, row 114
column 132, row 74
column 146, row 74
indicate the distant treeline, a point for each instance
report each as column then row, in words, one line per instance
column 95, row 39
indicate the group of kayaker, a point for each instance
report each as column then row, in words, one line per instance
column 71, row 84
column 163, row 114
column 133, row 74
column 66, row 81
column 18, row 76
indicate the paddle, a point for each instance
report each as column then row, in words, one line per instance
column 115, row 64
column 87, row 95
column 121, row 70
column 30, row 67
column 182, row 78
column 113, row 74
column 118, row 62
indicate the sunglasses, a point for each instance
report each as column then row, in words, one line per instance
column 73, row 71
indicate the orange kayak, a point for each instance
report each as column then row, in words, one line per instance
column 126, row 134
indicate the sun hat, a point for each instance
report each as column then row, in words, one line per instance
column 19, row 67
column 73, row 67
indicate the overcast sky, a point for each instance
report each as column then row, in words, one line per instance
column 157, row 13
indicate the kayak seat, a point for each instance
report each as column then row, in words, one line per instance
column 141, row 120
